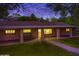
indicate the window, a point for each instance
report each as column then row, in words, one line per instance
column 9, row 31
column 47, row 31
column 26, row 30
column 67, row 29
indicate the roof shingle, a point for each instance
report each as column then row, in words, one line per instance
column 36, row 24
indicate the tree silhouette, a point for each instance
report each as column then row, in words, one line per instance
column 5, row 7
column 54, row 20
column 15, row 15
column 65, row 8
column 32, row 17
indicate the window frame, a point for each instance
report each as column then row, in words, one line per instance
column 48, row 29
column 10, row 31
column 28, row 31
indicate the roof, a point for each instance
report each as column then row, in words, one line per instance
column 31, row 24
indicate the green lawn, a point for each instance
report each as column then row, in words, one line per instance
column 72, row 41
column 33, row 49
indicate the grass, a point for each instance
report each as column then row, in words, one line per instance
column 33, row 49
column 74, row 42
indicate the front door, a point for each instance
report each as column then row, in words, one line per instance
column 39, row 34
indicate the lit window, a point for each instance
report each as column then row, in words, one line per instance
column 26, row 30
column 9, row 31
column 67, row 29
column 47, row 31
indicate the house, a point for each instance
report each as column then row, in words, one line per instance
column 21, row 31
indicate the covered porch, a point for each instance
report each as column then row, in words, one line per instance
column 41, row 34
column 28, row 34
column 54, row 33
column 24, row 31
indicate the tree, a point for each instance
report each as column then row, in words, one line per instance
column 47, row 19
column 41, row 19
column 4, row 7
column 15, row 15
column 28, row 18
column 65, row 8
column 67, row 20
column 32, row 17
column 61, row 19
column 23, row 18
column 54, row 20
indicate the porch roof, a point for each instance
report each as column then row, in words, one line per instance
column 32, row 24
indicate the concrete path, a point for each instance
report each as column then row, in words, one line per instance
column 66, row 47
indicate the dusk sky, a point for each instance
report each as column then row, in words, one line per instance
column 38, row 9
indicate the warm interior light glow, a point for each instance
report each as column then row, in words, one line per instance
column 39, row 33
column 26, row 30
column 9, row 31
column 47, row 31
column 67, row 29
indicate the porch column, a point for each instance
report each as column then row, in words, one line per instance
column 21, row 36
column 42, row 36
column 58, row 33
column 71, row 32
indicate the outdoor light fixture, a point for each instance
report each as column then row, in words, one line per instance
column 67, row 29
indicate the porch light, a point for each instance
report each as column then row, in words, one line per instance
column 9, row 31
column 26, row 30
column 67, row 29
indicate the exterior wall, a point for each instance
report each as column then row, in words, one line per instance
column 7, row 37
column 64, row 33
column 51, row 35
column 31, row 36
column 35, row 33
column 16, row 36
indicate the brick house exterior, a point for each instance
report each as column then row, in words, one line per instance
column 37, row 28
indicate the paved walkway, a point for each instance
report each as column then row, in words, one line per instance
column 66, row 47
